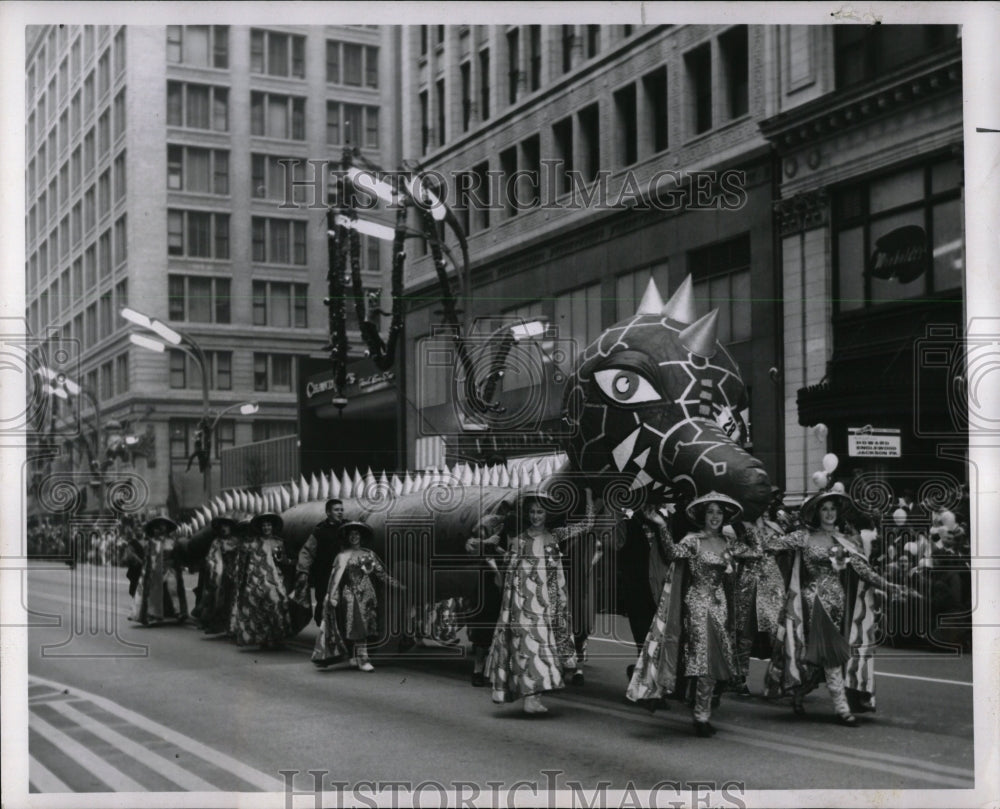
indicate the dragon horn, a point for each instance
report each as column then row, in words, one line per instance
column 699, row 337
column 680, row 308
column 651, row 302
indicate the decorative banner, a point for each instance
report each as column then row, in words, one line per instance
column 874, row 442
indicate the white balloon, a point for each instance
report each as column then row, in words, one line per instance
column 820, row 479
column 821, row 431
column 830, row 462
column 838, row 487
column 911, row 548
column 899, row 516
column 948, row 520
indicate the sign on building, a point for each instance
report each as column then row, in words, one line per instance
column 874, row 442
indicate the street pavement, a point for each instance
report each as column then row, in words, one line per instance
column 118, row 707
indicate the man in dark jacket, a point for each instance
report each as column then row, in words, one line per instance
column 316, row 557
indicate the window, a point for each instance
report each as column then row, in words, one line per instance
column 735, row 71
column 278, row 241
column 104, row 253
column 103, row 74
column 277, row 304
column 203, row 171
column 75, row 164
column 272, row 372
column 698, row 64
column 63, row 79
column 484, row 84
column 91, row 325
column 197, row 234
column 442, row 135
column 629, row 288
column 588, row 119
column 481, row 219
column 865, row 52
column 104, row 133
column 120, row 52
column 224, row 435
column 277, row 116
column 121, row 241
column 277, row 54
column 199, row 45
column 423, row 40
column 534, row 57
column 181, row 438
column 89, row 155
column 120, row 180
column 898, row 236
column 64, row 237
column 104, row 305
column 121, row 295
column 89, row 212
column 88, row 96
column 90, row 266
column 721, row 275
column 627, row 132
column 352, row 124
column 466, row 77
column 425, row 130
column 508, row 167
column 119, row 113
column 74, row 116
column 77, row 220
column 578, row 315
column 107, row 380
column 104, row 193
column 269, row 180
column 654, row 86
column 529, row 190
column 266, row 429
column 593, row 40
column 121, row 373
column 63, row 131
column 197, row 106
column 513, row 64
column 185, row 372
column 198, row 299
column 353, row 57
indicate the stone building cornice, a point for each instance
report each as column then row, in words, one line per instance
column 833, row 113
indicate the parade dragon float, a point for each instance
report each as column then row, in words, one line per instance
column 652, row 409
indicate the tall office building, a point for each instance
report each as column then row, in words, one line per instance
column 154, row 182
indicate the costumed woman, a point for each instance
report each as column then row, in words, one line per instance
column 262, row 610
column 533, row 641
column 759, row 590
column 219, row 589
column 819, row 625
column 485, row 546
column 691, row 632
column 159, row 592
column 351, row 606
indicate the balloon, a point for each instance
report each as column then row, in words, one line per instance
column 838, row 487
column 899, row 516
column 830, row 462
column 821, row 431
column 910, row 548
column 948, row 520
column 819, row 479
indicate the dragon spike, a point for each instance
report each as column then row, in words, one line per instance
column 466, row 475
column 651, row 302
column 536, row 475
column 680, row 308
column 293, row 494
column 324, row 486
column 313, row 487
column 370, row 481
column 407, row 484
column 357, row 484
column 334, row 485
column 699, row 337
column 284, row 499
column 345, row 485
column 397, row 485
column 504, row 478
column 229, row 502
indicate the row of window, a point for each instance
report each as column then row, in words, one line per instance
column 96, row 143
column 110, row 379
column 88, row 327
column 109, row 251
column 272, row 53
column 271, row 372
column 93, row 206
column 182, row 435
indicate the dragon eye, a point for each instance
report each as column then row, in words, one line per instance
column 626, row 387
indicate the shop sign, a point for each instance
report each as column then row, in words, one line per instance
column 352, row 384
column 874, row 442
column 901, row 254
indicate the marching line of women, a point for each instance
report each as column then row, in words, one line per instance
column 807, row 600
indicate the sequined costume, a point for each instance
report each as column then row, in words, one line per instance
column 261, row 615
column 220, row 585
column 355, row 617
column 160, row 590
column 822, row 634
column 758, row 592
column 533, row 640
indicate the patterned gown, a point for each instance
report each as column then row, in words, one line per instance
column 260, row 612
column 160, row 589
column 759, row 591
column 818, row 628
column 220, row 585
column 533, row 640
column 355, row 617
column 690, row 635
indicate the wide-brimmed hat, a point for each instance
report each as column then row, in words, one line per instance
column 367, row 532
column 275, row 519
column 731, row 509
column 218, row 522
column 810, row 507
column 242, row 528
column 170, row 525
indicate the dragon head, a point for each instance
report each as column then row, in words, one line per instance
column 655, row 402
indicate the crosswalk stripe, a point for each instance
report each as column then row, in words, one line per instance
column 244, row 772
column 43, row 778
column 164, row 766
column 109, row 774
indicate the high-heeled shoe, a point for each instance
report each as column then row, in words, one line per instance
column 534, row 705
column 850, row 720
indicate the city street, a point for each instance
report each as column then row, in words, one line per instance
column 167, row 709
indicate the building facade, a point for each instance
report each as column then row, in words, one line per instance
column 154, row 182
column 870, row 214
column 611, row 155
